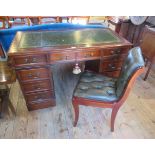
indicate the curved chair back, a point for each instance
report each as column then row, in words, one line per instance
column 131, row 66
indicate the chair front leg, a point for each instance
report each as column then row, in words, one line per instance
column 76, row 111
column 113, row 116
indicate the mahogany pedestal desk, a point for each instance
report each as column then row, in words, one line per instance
column 33, row 53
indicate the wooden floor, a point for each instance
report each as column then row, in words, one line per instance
column 136, row 118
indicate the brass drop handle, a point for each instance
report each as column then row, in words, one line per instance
column 112, row 52
column 34, row 60
column 26, row 60
column 111, row 66
column 39, row 97
column 118, row 51
column 37, row 87
column 36, row 75
column 89, row 54
column 30, row 75
column 115, row 52
column 67, row 57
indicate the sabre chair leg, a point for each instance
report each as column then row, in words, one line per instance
column 76, row 111
column 113, row 116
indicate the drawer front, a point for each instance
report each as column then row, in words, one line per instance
column 112, row 52
column 64, row 56
column 33, row 74
column 38, row 97
column 37, row 86
column 88, row 54
column 40, row 105
column 29, row 60
column 111, row 65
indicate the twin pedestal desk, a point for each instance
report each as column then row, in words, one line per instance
column 31, row 54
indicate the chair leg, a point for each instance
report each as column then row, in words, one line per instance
column 76, row 110
column 147, row 73
column 113, row 116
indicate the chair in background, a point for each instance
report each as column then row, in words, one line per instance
column 7, row 76
column 3, row 22
column 48, row 19
column 78, row 19
column 147, row 44
column 105, row 92
column 18, row 21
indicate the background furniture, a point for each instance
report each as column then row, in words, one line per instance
column 128, row 30
column 18, row 21
column 104, row 92
column 48, row 19
column 33, row 64
column 147, row 45
column 3, row 22
column 78, row 19
column 7, row 76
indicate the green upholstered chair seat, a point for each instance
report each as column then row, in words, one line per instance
column 97, row 87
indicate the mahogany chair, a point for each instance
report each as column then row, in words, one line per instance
column 3, row 22
column 18, row 21
column 78, row 19
column 97, row 90
column 147, row 45
column 48, row 19
column 7, row 76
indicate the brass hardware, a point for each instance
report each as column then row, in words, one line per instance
column 26, row 60
column 29, row 75
column 111, row 66
column 36, row 75
column 112, row 52
column 34, row 60
column 67, row 57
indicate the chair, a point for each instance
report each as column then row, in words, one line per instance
column 7, row 76
column 18, row 21
column 147, row 45
column 79, row 19
column 48, row 19
column 3, row 22
column 105, row 92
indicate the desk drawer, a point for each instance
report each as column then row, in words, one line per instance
column 37, row 86
column 112, row 52
column 33, row 74
column 88, row 54
column 29, row 60
column 111, row 65
column 38, row 97
column 41, row 104
column 64, row 56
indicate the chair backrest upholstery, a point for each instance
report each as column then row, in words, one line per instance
column 132, row 63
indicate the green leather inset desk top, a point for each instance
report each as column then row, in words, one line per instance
column 86, row 37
